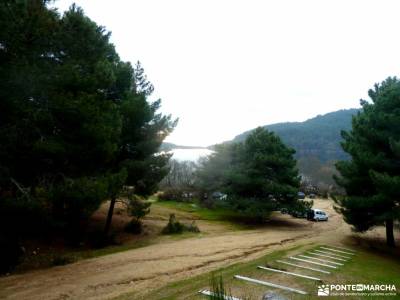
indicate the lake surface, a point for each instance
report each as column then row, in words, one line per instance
column 190, row 154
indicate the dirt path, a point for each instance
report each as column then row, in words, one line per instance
column 151, row 267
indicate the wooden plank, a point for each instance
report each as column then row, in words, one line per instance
column 211, row 294
column 332, row 253
column 270, row 284
column 303, row 267
column 289, row 273
column 340, row 251
column 345, row 249
column 313, row 262
column 323, row 260
column 328, row 256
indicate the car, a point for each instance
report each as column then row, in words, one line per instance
column 317, row 215
column 219, row 196
column 301, row 195
column 312, row 196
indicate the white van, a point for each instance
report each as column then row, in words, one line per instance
column 317, row 215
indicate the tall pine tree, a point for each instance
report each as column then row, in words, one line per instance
column 138, row 163
column 372, row 177
column 76, row 123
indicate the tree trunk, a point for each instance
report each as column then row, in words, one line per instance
column 110, row 215
column 389, row 233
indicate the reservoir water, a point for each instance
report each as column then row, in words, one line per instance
column 190, row 154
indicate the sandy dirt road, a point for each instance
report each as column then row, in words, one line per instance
column 140, row 270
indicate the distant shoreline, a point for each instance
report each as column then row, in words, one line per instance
column 189, row 154
column 170, row 146
column 189, row 147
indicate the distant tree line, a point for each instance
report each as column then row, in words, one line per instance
column 317, row 177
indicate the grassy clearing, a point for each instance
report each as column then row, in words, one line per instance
column 366, row 267
column 221, row 215
column 216, row 214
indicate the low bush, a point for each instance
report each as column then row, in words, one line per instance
column 192, row 227
column 176, row 227
column 61, row 260
column 173, row 226
column 138, row 209
column 134, row 227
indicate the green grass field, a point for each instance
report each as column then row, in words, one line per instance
column 219, row 214
column 216, row 214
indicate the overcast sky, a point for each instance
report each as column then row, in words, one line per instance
column 224, row 67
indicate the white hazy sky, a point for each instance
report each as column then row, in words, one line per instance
column 226, row 66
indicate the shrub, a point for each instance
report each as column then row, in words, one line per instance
column 137, row 208
column 192, row 227
column 61, row 260
column 176, row 227
column 134, row 226
column 300, row 208
column 173, row 226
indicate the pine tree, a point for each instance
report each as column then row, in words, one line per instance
column 372, row 177
column 76, row 123
column 142, row 132
column 259, row 175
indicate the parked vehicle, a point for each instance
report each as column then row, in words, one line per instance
column 219, row 196
column 317, row 215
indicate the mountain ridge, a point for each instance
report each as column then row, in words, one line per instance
column 319, row 136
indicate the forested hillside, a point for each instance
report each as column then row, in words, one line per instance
column 317, row 137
